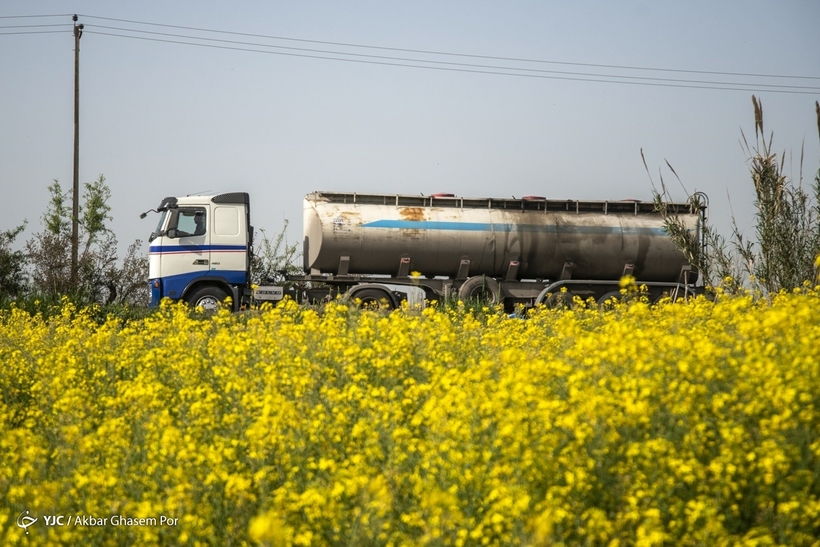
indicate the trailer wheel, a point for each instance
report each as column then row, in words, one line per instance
column 608, row 300
column 209, row 298
column 559, row 300
column 480, row 287
column 374, row 298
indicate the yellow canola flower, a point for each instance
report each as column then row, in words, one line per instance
column 685, row 423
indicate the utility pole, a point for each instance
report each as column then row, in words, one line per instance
column 75, row 195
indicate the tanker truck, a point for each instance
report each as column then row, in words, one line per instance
column 385, row 248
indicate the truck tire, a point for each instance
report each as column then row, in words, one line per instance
column 609, row 300
column 559, row 301
column 376, row 298
column 208, row 297
column 480, row 287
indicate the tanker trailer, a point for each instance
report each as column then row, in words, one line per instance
column 510, row 250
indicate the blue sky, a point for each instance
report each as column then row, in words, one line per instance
column 161, row 119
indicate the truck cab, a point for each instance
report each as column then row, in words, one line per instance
column 200, row 251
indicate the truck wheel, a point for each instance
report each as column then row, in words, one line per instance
column 610, row 299
column 208, row 297
column 373, row 298
column 560, row 301
column 482, row 288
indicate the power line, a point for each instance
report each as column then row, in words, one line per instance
column 451, row 63
column 592, row 78
column 34, row 16
column 34, row 32
column 4, row 32
column 431, row 52
column 37, row 26
column 429, row 64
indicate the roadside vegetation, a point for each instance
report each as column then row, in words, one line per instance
column 37, row 277
column 782, row 254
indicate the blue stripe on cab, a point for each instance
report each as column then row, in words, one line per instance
column 195, row 248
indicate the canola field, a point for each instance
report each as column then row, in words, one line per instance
column 691, row 423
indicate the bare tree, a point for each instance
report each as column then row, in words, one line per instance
column 273, row 258
column 49, row 251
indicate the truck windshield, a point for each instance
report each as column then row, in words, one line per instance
column 158, row 230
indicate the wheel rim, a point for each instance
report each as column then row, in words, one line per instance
column 208, row 303
column 610, row 300
column 560, row 300
column 481, row 294
column 371, row 302
column 480, row 289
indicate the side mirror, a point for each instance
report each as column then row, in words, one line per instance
column 172, row 233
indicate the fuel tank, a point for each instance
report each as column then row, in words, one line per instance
column 449, row 236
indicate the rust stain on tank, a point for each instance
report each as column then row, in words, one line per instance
column 411, row 213
column 414, row 214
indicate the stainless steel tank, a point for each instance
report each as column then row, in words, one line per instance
column 434, row 235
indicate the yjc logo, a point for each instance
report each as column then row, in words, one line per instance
column 25, row 521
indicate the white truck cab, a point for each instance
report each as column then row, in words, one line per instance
column 201, row 251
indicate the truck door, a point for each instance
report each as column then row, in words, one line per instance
column 186, row 255
column 229, row 243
